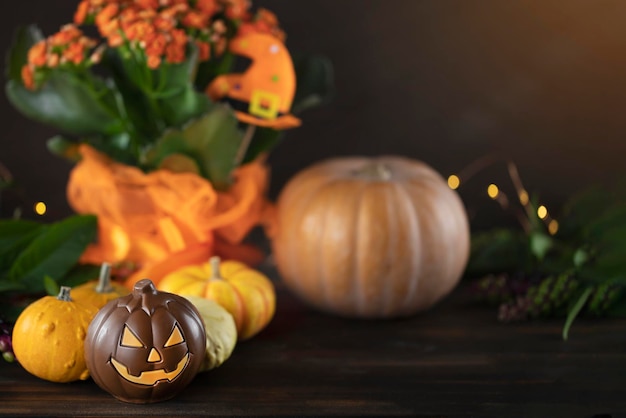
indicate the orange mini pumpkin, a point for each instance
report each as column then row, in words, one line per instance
column 247, row 294
column 369, row 237
column 49, row 338
column 98, row 292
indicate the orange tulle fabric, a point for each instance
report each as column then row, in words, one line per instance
column 144, row 217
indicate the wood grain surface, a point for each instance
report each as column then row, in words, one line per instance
column 453, row 361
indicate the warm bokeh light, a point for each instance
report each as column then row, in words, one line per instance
column 493, row 191
column 40, row 208
column 523, row 197
column 542, row 212
column 454, row 182
column 553, row 227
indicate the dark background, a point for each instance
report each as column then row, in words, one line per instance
column 444, row 81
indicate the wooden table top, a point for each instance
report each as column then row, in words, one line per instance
column 456, row 360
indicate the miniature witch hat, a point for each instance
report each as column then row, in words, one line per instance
column 262, row 95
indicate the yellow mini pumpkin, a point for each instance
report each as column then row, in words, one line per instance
column 247, row 294
column 48, row 338
column 98, row 292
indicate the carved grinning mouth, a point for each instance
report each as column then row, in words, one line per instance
column 150, row 377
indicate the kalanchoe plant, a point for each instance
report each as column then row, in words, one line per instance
column 129, row 80
column 142, row 75
column 550, row 268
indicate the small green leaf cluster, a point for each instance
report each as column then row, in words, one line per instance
column 36, row 258
column 581, row 269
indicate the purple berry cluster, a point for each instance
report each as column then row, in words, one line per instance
column 6, row 347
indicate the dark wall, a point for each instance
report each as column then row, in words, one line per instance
column 445, row 81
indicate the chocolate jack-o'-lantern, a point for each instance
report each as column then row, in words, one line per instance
column 263, row 93
column 146, row 346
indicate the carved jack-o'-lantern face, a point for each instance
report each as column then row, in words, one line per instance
column 145, row 347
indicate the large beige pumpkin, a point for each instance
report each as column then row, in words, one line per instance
column 370, row 237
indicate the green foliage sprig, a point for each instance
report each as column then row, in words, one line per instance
column 578, row 269
column 35, row 256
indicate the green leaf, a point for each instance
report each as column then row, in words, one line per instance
column 210, row 69
column 618, row 307
column 264, row 140
column 497, row 250
column 540, row 244
column 579, row 210
column 612, row 220
column 138, row 111
column 183, row 106
column 10, row 285
column 315, row 81
column 14, row 230
column 15, row 236
column 119, row 147
column 178, row 101
column 52, row 288
column 79, row 274
column 580, row 257
column 64, row 148
column 54, row 252
column 610, row 266
column 68, row 103
column 24, row 38
column 575, row 310
column 212, row 141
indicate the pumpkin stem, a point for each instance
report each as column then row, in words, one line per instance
column 215, row 268
column 376, row 171
column 104, row 281
column 64, row 294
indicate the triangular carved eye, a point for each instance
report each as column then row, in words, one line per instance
column 176, row 337
column 129, row 339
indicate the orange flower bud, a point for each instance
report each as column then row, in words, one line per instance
column 208, row 7
column 155, row 45
column 28, row 77
column 115, row 40
column 81, row 12
column 164, row 24
column 147, row 4
column 154, row 61
column 109, row 28
column 53, row 60
column 75, row 53
column 237, row 9
column 37, row 55
column 105, row 16
column 172, row 11
column 204, row 50
column 139, row 30
column 194, row 19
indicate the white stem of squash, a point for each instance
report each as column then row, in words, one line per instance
column 64, row 294
column 376, row 171
column 104, row 281
column 215, row 268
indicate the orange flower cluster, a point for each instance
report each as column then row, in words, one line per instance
column 67, row 47
column 162, row 28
